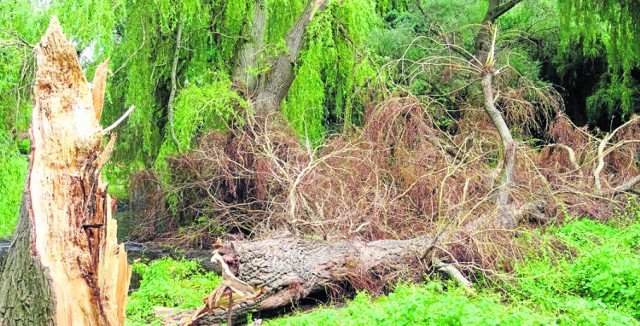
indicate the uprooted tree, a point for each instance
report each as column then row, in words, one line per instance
column 450, row 209
column 64, row 266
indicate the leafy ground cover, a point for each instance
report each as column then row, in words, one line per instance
column 168, row 283
column 594, row 280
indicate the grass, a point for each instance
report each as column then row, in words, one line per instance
column 594, row 281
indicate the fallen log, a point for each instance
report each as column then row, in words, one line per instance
column 64, row 265
column 286, row 269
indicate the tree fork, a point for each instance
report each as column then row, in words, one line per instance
column 64, row 266
column 275, row 85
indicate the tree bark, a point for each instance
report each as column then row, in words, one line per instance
column 275, row 85
column 495, row 9
column 249, row 51
column 505, row 213
column 64, row 266
column 174, row 85
column 288, row 269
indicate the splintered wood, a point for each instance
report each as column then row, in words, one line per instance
column 67, row 208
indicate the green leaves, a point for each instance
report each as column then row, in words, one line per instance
column 613, row 26
column 13, row 168
column 168, row 283
column 331, row 71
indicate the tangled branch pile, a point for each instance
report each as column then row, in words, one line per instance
column 399, row 177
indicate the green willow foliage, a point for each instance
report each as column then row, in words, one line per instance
column 332, row 69
column 333, row 66
column 13, row 167
column 200, row 108
column 612, row 26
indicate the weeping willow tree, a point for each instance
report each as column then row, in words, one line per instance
column 612, row 26
column 192, row 66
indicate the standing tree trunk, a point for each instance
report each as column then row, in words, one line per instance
column 275, row 85
column 495, row 9
column 248, row 54
column 64, row 266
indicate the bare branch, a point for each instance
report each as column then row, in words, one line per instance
column 115, row 124
column 571, row 152
column 174, row 85
column 504, row 8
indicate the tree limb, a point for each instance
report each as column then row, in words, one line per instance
column 571, row 152
column 174, row 85
column 504, row 8
column 600, row 156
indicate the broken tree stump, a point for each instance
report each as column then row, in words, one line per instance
column 64, row 266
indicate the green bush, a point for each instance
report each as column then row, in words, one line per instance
column 608, row 267
column 596, row 282
column 14, row 168
column 430, row 304
column 168, row 283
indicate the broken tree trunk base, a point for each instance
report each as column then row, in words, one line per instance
column 64, row 266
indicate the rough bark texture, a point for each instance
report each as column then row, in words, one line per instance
column 174, row 85
column 276, row 84
column 248, row 54
column 25, row 297
column 64, row 266
column 289, row 269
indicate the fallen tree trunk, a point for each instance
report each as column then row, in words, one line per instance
column 287, row 269
column 64, row 266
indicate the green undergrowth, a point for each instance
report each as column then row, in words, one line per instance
column 596, row 281
column 168, row 283
column 598, row 284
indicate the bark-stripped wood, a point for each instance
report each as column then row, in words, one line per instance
column 64, row 266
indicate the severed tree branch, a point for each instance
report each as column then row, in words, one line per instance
column 600, row 157
column 571, row 152
column 453, row 273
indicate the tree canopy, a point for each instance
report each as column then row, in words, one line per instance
column 192, row 66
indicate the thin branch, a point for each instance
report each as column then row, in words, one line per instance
column 174, row 85
column 625, row 187
column 454, row 274
column 115, row 124
column 572, row 155
column 601, row 147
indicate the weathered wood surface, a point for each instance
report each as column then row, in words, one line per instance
column 289, row 269
column 64, row 266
